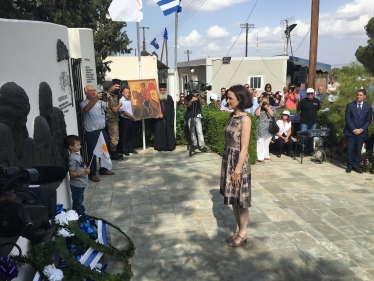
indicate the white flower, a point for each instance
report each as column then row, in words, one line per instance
column 64, row 232
column 53, row 273
column 64, row 217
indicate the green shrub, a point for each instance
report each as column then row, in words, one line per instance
column 216, row 122
column 181, row 126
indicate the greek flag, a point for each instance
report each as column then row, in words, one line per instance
column 166, row 36
column 169, row 6
column 155, row 44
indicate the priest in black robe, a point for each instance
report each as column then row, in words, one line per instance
column 164, row 128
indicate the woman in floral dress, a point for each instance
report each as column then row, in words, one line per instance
column 236, row 171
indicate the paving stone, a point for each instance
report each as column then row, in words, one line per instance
column 350, row 231
column 329, row 232
column 287, row 226
column 316, row 252
column 334, row 268
column 276, row 216
column 342, row 211
column 301, row 238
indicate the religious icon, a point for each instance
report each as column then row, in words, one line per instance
column 144, row 98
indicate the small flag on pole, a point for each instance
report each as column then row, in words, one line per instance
column 126, row 10
column 166, row 36
column 155, row 44
column 169, row 6
column 101, row 150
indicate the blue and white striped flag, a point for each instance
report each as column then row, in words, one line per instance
column 169, row 6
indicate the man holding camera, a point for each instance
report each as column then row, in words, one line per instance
column 193, row 116
column 93, row 110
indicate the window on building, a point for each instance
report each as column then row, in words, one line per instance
column 255, row 81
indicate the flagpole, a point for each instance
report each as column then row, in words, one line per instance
column 140, row 75
column 176, row 86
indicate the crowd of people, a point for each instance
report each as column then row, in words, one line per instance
column 306, row 102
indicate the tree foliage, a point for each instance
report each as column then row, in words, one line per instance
column 351, row 78
column 365, row 55
column 109, row 36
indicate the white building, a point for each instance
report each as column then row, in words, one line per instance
column 255, row 71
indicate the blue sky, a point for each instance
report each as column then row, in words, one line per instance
column 212, row 29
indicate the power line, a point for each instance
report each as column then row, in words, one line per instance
column 272, row 71
column 302, row 40
column 233, row 46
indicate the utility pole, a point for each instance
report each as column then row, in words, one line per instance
column 144, row 27
column 313, row 44
column 188, row 52
column 247, row 26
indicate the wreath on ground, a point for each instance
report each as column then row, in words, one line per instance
column 64, row 253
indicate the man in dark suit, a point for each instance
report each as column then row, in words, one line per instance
column 358, row 116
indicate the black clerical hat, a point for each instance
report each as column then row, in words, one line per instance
column 116, row 81
column 162, row 85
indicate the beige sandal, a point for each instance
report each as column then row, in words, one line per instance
column 234, row 244
column 231, row 238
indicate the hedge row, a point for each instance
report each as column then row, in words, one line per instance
column 214, row 123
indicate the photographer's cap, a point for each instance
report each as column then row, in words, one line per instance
column 310, row 90
column 286, row 112
column 213, row 97
column 116, row 81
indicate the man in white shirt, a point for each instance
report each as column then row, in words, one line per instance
column 126, row 123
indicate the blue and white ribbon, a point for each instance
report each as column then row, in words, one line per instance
column 102, row 235
column 90, row 258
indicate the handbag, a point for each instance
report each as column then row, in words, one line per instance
column 273, row 127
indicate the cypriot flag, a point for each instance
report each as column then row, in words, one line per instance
column 101, row 150
column 126, row 10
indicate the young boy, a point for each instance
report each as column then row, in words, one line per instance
column 78, row 173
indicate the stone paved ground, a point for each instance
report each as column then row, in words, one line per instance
column 308, row 222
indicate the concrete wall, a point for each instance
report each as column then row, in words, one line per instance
column 28, row 57
column 81, row 46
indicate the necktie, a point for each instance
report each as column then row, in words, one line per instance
column 359, row 109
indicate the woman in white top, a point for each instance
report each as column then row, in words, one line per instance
column 283, row 137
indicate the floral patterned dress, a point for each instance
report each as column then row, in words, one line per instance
column 240, row 195
column 263, row 123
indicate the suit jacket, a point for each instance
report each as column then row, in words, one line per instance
column 353, row 121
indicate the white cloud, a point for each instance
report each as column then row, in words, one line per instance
column 212, row 5
column 217, row 32
column 213, row 47
column 193, row 39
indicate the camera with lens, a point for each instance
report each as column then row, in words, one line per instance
column 29, row 214
column 194, row 87
column 264, row 103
